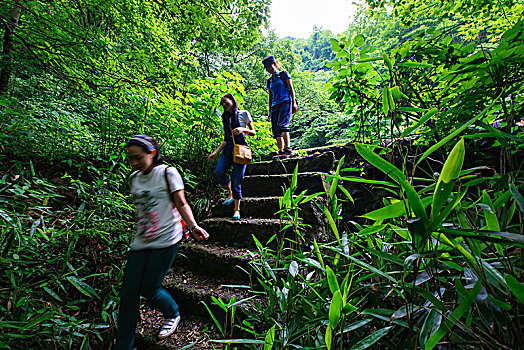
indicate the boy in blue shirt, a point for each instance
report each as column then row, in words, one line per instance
column 282, row 104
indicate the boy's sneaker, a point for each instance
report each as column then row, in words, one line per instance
column 169, row 327
column 279, row 155
column 287, row 152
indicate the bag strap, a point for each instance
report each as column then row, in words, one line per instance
column 282, row 76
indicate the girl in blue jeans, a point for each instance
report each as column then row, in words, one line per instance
column 240, row 124
column 158, row 193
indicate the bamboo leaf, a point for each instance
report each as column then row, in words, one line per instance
column 515, row 287
column 334, row 309
column 398, row 177
column 371, row 339
column 328, row 337
column 463, row 307
column 457, row 131
column 270, row 338
column 332, row 280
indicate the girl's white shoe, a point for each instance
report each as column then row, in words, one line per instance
column 169, row 327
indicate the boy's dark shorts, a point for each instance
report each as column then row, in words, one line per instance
column 280, row 118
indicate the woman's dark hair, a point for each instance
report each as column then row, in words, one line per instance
column 148, row 144
column 235, row 105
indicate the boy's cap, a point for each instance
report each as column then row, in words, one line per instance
column 268, row 62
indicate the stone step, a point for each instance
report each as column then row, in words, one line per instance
column 190, row 290
column 211, row 259
column 346, row 149
column 267, row 207
column 239, row 233
column 321, row 162
column 273, row 185
column 193, row 332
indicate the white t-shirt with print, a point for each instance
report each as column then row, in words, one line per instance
column 157, row 220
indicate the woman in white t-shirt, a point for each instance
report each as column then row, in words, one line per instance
column 158, row 193
column 240, row 124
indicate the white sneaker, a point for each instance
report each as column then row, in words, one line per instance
column 169, row 327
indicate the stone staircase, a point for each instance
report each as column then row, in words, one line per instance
column 220, row 267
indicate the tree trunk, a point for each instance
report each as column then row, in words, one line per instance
column 8, row 47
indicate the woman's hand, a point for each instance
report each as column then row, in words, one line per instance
column 212, row 156
column 199, row 234
column 294, row 109
column 239, row 130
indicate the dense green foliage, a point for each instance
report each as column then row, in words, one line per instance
column 444, row 252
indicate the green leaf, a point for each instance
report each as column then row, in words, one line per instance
column 371, row 339
column 515, row 287
column 415, row 64
column 359, row 40
column 334, row 182
column 457, row 131
column 450, row 171
column 431, row 325
column 393, row 210
column 390, row 170
column 334, row 309
column 270, row 338
column 518, row 197
column 82, row 287
column 385, row 101
column 492, row 221
column 332, row 280
column 387, row 61
column 335, row 45
column 328, row 337
column 463, row 307
column 421, row 121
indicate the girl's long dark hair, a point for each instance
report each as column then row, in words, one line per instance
column 147, row 143
column 227, row 114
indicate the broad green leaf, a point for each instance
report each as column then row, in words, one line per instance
column 398, row 177
column 270, row 338
column 332, row 224
column 82, row 287
column 432, row 322
column 496, row 133
column 391, row 102
column 332, row 280
column 361, row 180
column 461, row 309
column 458, row 131
column 492, row 221
column 387, row 61
column 515, row 287
column 335, row 45
column 385, row 101
column 334, row 309
column 328, row 338
column 359, row 40
column 371, row 339
column 393, row 210
column 450, row 171
column 415, row 64
column 487, row 236
column 334, row 182
column 518, row 197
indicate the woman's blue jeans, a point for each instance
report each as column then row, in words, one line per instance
column 143, row 275
column 237, row 175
